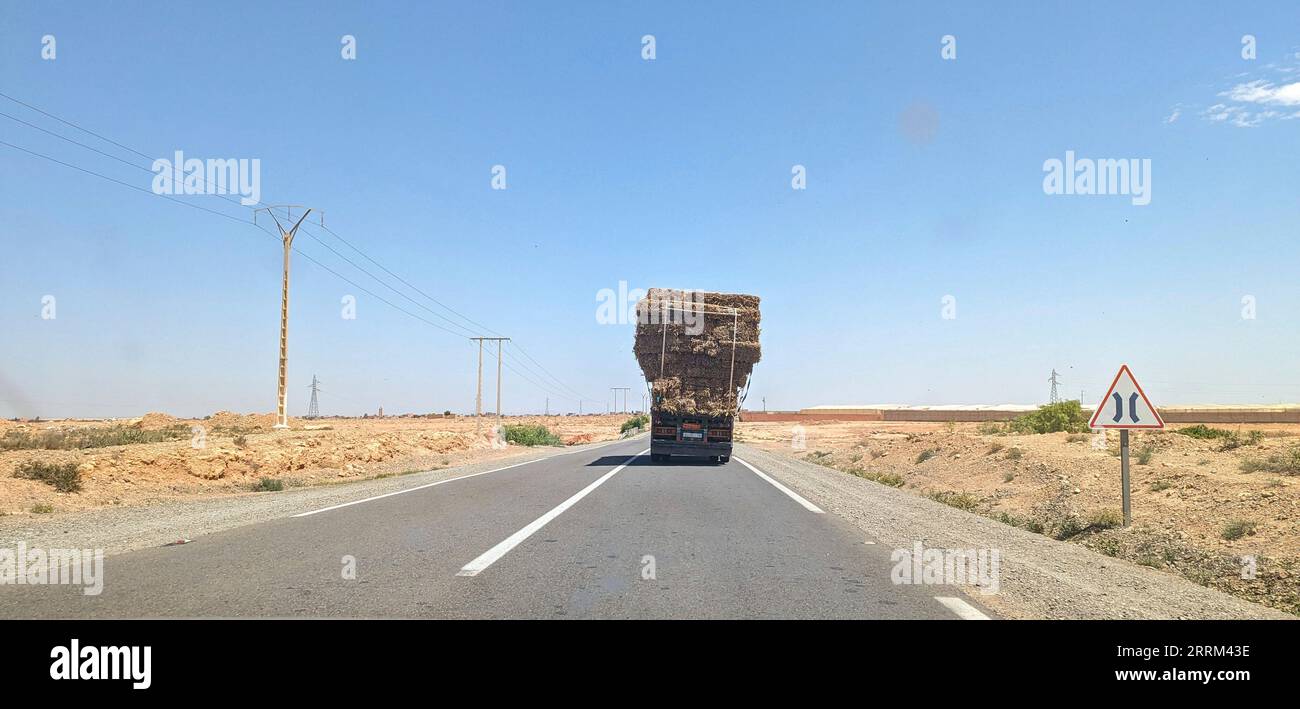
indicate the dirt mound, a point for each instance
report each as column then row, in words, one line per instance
column 154, row 421
column 228, row 419
column 697, row 348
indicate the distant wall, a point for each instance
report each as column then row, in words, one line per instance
column 796, row 416
column 1230, row 415
column 969, row 415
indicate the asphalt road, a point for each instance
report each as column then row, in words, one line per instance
column 599, row 533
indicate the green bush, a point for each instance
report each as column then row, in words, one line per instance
column 960, row 500
column 1027, row 523
column 1202, row 431
column 1106, row 519
column 1287, row 463
column 1145, row 454
column 1234, row 440
column 890, row 479
column 535, row 435
column 1237, row 528
column 80, row 438
column 636, row 422
column 1069, row 526
column 42, row 508
column 926, row 455
column 1065, row 416
column 268, row 485
column 991, row 428
column 1015, row 454
column 64, row 477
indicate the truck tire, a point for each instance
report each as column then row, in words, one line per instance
column 724, row 459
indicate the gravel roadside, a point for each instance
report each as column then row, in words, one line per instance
column 1040, row 577
column 122, row 529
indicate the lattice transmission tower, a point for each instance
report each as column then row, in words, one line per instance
column 313, row 409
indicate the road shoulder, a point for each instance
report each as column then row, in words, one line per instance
column 1039, row 577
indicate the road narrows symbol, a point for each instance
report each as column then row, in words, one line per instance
column 1125, row 406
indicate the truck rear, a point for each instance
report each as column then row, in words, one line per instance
column 696, row 350
column 700, row 436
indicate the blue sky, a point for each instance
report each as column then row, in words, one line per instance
column 924, row 179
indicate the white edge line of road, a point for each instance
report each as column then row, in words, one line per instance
column 964, row 610
column 491, row 556
column 793, row 495
column 450, row 480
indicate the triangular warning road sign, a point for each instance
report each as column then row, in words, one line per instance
column 1125, row 405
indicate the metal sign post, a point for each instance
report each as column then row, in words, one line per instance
column 1123, row 474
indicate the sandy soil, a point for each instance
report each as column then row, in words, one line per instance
column 1184, row 497
column 230, row 453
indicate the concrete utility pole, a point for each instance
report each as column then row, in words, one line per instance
column 616, row 390
column 478, row 400
column 282, row 392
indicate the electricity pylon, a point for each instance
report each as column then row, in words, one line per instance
column 282, row 392
column 313, row 409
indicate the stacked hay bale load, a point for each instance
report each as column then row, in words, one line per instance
column 685, row 342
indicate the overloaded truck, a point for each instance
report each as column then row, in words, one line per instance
column 696, row 350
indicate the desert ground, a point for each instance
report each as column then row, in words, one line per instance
column 158, row 457
column 1197, row 512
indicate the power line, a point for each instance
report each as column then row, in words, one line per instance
column 573, row 391
column 545, row 373
column 410, row 285
column 74, row 125
column 300, row 252
column 235, row 219
column 305, row 231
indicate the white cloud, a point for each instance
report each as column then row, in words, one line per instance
column 1178, row 111
column 1265, row 92
column 1251, row 101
